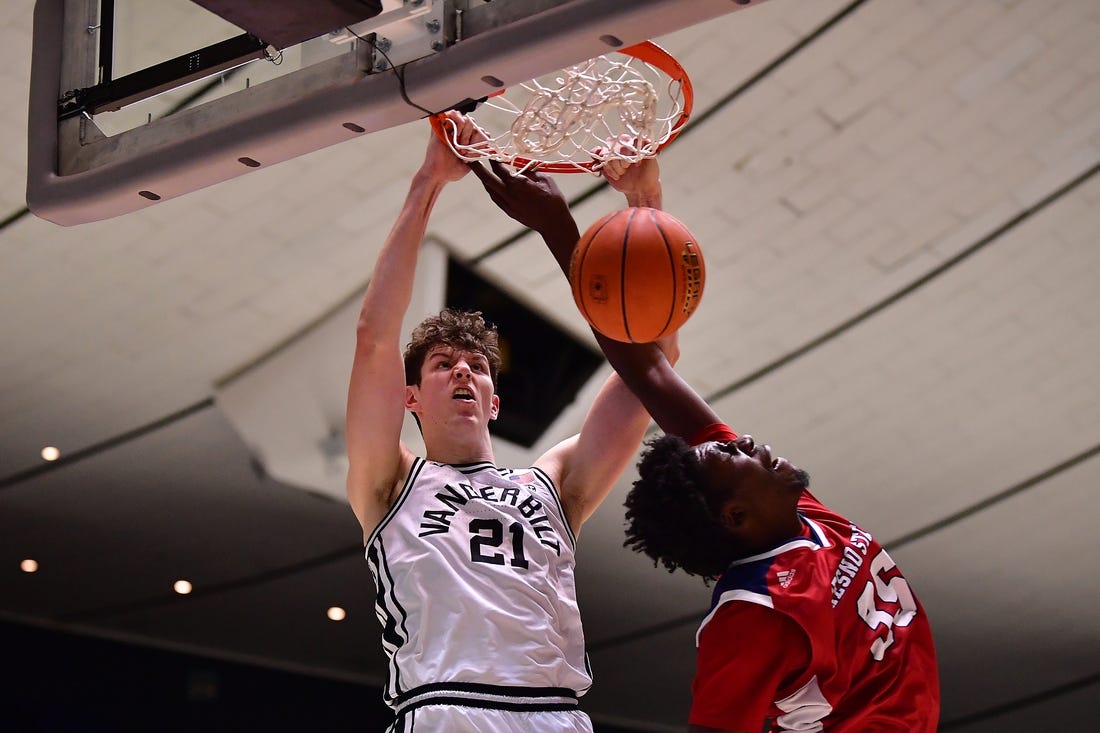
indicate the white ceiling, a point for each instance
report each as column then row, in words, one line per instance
column 899, row 208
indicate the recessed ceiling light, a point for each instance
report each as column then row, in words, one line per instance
column 336, row 613
column 182, row 587
column 50, row 453
column 28, row 566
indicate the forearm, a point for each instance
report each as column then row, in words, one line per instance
column 670, row 401
column 652, row 198
column 561, row 236
column 607, row 445
column 375, row 410
column 390, row 289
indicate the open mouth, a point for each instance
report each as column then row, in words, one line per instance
column 463, row 394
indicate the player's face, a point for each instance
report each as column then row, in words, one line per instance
column 757, row 492
column 456, row 384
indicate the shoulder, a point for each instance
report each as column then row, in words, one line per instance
column 555, row 461
column 753, row 649
column 794, row 579
column 530, row 475
column 372, row 502
column 728, row 623
column 745, row 638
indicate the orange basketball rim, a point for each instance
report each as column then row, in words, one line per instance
column 570, row 139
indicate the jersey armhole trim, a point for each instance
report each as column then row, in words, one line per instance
column 546, row 481
column 414, row 472
column 817, row 532
column 737, row 594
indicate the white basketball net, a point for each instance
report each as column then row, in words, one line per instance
column 570, row 116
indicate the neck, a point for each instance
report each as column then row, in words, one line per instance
column 782, row 533
column 452, row 449
column 794, row 528
column 459, row 457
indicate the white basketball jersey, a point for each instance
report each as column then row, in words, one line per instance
column 473, row 567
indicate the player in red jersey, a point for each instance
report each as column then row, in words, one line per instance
column 812, row 626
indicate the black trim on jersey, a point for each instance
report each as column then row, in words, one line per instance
column 401, row 725
column 414, row 473
column 818, row 534
column 553, row 489
column 466, row 702
column 468, row 468
column 488, row 697
column 392, row 615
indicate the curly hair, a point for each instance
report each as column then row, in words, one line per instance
column 668, row 514
column 463, row 330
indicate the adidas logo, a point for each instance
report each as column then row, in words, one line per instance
column 785, row 577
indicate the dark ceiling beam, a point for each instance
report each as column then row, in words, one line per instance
column 103, row 446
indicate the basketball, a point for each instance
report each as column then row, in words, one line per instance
column 637, row 274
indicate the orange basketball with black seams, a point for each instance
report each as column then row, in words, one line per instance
column 637, row 274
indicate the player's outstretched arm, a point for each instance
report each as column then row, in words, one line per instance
column 671, row 401
column 376, row 393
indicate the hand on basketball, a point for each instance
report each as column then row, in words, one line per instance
column 440, row 162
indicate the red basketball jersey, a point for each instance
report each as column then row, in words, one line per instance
column 846, row 646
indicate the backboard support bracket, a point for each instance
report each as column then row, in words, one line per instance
column 114, row 94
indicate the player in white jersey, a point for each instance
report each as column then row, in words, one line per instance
column 473, row 564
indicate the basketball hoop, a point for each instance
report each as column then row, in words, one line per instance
column 557, row 122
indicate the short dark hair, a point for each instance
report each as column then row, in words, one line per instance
column 462, row 330
column 669, row 515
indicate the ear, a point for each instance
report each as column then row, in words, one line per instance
column 494, row 407
column 732, row 515
column 412, row 398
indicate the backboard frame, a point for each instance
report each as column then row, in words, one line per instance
column 75, row 174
